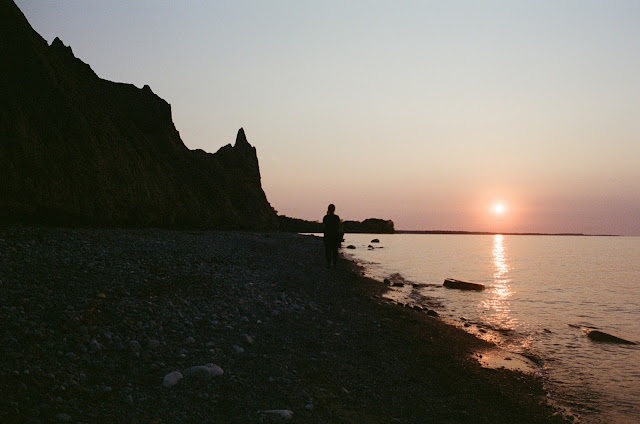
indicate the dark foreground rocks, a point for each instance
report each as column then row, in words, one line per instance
column 155, row 326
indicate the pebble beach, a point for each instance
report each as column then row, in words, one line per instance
column 162, row 326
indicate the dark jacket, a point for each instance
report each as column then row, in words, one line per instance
column 331, row 226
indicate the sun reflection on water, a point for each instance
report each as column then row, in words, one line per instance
column 499, row 257
column 497, row 306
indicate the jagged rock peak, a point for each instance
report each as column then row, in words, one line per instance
column 241, row 138
column 58, row 44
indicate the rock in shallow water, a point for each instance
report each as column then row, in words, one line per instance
column 601, row 336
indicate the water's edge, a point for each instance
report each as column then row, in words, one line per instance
column 521, row 345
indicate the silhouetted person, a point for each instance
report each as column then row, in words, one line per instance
column 332, row 236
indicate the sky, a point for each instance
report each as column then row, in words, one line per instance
column 428, row 113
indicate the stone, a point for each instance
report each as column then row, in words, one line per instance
column 283, row 413
column 203, row 371
column 601, row 336
column 172, row 379
column 351, row 246
column 452, row 283
column 375, row 241
column 188, row 341
column 432, row 313
column 65, row 418
column 134, row 345
column 94, row 345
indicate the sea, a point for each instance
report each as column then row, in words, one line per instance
column 542, row 295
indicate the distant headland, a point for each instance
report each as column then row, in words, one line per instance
column 371, row 225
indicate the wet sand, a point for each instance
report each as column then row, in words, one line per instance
column 94, row 320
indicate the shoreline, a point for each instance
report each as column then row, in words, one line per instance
column 97, row 318
column 492, row 356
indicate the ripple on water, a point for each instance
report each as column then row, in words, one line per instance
column 537, row 287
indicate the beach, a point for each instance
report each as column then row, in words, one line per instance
column 163, row 326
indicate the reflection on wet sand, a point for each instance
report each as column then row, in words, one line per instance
column 496, row 358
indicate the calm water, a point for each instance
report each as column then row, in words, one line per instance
column 542, row 291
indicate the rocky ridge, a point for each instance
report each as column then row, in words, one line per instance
column 79, row 150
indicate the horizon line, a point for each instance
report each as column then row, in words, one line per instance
column 491, row 233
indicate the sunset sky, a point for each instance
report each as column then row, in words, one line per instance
column 429, row 113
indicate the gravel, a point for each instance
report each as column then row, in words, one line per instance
column 137, row 326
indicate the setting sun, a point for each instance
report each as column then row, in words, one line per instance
column 499, row 209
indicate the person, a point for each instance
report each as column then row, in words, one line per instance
column 332, row 235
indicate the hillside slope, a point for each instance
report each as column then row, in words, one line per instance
column 79, row 150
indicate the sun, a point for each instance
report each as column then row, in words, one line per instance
column 499, row 209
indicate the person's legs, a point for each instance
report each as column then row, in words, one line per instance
column 328, row 253
column 334, row 256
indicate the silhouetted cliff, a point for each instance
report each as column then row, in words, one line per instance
column 77, row 149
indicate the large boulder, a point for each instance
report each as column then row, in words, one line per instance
column 601, row 336
column 452, row 283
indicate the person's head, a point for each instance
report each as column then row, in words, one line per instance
column 331, row 209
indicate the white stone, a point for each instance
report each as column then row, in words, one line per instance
column 172, row 379
column 206, row 371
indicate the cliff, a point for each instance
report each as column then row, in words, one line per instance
column 79, row 150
